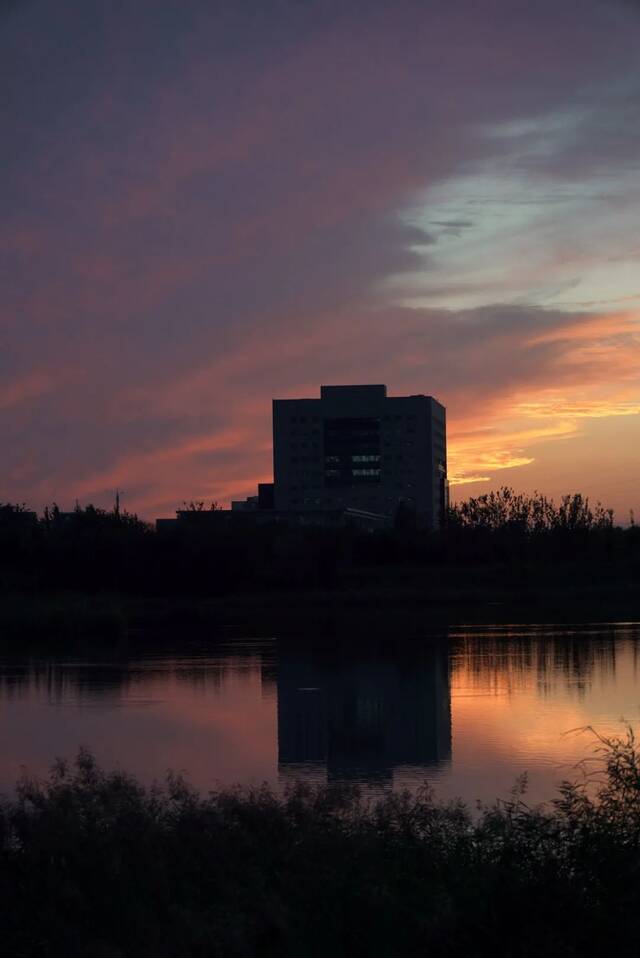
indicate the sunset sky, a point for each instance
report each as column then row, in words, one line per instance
column 206, row 205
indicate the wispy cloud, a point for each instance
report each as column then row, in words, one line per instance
column 244, row 203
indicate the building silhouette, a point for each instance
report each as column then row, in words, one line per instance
column 355, row 455
column 357, row 448
column 359, row 714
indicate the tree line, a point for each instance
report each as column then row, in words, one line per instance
column 98, row 549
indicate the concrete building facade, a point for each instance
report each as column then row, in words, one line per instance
column 357, row 448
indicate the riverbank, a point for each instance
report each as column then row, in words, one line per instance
column 94, row 864
column 407, row 599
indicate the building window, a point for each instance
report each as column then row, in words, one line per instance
column 347, row 441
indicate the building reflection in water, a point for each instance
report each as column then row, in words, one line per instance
column 248, row 709
column 358, row 714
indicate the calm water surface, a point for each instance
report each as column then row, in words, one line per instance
column 467, row 711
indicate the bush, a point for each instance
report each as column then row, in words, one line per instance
column 93, row 864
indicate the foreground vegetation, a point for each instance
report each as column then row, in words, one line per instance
column 92, row 864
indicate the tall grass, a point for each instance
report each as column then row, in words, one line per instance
column 93, row 864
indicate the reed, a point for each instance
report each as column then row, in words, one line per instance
column 94, row 864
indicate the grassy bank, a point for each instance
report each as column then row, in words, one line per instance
column 95, row 865
column 406, row 598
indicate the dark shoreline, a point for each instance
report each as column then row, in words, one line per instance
column 410, row 612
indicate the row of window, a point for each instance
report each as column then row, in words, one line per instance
column 397, row 417
column 354, row 472
column 331, row 460
column 358, row 457
column 333, row 468
column 313, row 486
column 346, row 435
column 372, row 504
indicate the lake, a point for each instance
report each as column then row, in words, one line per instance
column 467, row 710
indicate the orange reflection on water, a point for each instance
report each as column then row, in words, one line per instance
column 468, row 712
column 521, row 703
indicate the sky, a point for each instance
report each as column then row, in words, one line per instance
column 206, row 205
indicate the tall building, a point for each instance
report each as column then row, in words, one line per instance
column 357, row 448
